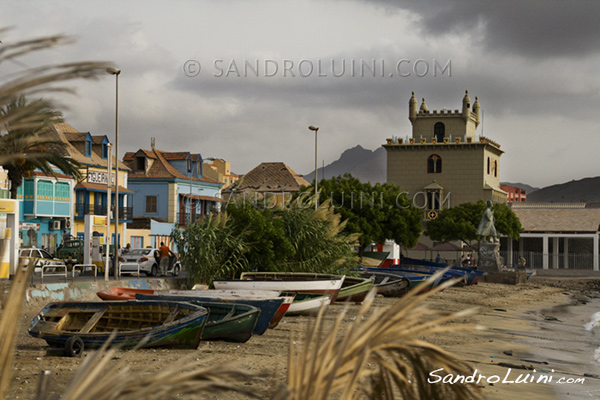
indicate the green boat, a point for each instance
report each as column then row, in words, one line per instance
column 355, row 289
column 229, row 322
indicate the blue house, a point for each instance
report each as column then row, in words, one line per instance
column 169, row 187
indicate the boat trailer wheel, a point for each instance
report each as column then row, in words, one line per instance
column 74, row 347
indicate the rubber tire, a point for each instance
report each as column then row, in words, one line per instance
column 176, row 269
column 74, row 346
column 154, row 270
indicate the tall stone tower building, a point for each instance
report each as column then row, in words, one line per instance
column 444, row 163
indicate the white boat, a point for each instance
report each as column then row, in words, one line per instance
column 285, row 282
column 308, row 303
column 226, row 293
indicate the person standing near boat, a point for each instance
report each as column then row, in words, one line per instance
column 164, row 258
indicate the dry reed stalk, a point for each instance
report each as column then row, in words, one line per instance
column 9, row 323
column 389, row 340
column 96, row 380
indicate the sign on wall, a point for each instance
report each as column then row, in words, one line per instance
column 100, row 177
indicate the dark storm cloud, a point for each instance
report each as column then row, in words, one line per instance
column 549, row 28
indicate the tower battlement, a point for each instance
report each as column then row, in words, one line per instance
column 443, row 124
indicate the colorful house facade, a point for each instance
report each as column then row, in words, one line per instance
column 55, row 207
column 170, row 188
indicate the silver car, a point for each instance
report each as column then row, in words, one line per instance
column 148, row 261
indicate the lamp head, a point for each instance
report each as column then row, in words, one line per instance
column 313, row 128
column 113, row 71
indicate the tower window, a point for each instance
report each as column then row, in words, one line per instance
column 439, row 131
column 434, row 164
column 488, row 165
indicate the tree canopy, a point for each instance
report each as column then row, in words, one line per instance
column 460, row 222
column 377, row 212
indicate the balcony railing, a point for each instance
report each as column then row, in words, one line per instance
column 187, row 218
column 125, row 213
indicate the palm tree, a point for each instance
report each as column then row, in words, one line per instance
column 22, row 134
column 28, row 147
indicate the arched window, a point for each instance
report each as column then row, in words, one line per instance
column 434, row 164
column 439, row 131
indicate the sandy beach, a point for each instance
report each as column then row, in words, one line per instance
column 538, row 326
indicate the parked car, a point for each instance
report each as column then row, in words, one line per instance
column 71, row 251
column 39, row 256
column 148, row 260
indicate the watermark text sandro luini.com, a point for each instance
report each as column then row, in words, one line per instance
column 510, row 377
column 421, row 200
column 288, row 68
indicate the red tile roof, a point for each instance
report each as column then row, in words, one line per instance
column 161, row 167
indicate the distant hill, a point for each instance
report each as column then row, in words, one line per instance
column 527, row 188
column 583, row 190
column 366, row 165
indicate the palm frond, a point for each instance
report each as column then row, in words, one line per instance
column 388, row 339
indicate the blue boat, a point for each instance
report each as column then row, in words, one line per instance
column 472, row 275
column 267, row 306
column 75, row 325
column 413, row 277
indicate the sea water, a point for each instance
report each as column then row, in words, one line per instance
column 565, row 344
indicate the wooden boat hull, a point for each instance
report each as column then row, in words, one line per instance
column 228, row 322
column 389, row 285
column 267, row 306
column 282, row 310
column 355, row 289
column 298, row 282
column 156, row 323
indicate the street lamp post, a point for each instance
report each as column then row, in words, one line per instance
column 116, row 72
column 316, row 130
column 106, row 240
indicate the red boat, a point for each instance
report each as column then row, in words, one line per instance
column 121, row 293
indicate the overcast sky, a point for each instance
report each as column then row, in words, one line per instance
column 243, row 80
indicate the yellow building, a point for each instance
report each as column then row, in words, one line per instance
column 220, row 171
column 444, row 162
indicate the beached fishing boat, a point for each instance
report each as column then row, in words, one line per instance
column 245, row 294
column 75, row 325
column 268, row 306
column 458, row 276
column 355, row 289
column 288, row 298
column 308, row 303
column 228, row 321
column 120, row 293
column 472, row 275
column 388, row 285
column 298, row 282
column 414, row 278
